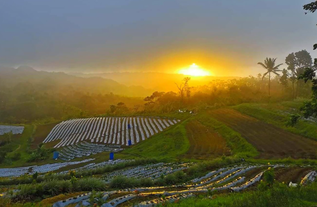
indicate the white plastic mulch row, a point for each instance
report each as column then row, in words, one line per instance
column 15, row 172
column 14, row 129
column 108, row 130
column 223, row 179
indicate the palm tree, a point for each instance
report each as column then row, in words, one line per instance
column 269, row 65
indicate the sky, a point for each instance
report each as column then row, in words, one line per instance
column 226, row 37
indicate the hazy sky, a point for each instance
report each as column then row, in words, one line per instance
column 226, row 36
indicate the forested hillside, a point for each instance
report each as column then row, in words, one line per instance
column 27, row 95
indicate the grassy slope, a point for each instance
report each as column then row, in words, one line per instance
column 20, row 145
column 278, row 115
column 165, row 145
column 278, row 196
column 40, row 134
column 170, row 144
column 238, row 145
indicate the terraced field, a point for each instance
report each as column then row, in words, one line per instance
column 204, row 142
column 270, row 141
column 107, row 130
column 221, row 180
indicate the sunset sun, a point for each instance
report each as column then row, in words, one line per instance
column 194, row 70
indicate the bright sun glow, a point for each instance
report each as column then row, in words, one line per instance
column 194, row 70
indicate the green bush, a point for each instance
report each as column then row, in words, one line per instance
column 56, row 187
column 16, row 156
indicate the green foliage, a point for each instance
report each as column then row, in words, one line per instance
column 40, row 154
column 2, row 156
column 35, row 175
column 8, row 136
column 293, row 120
column 122, row 182
column 16, row 152
column 96, row 198
column 310, row 108
column 312, row 7
column 56, row 187
column 267, row 179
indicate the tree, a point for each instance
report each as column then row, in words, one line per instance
column 312, row 7
column 154, row 97
column 269, row 65
column 121, row 108
column 283, row 78
column 184, row 88
column 310, row 108
column 296, row 63
column 112, row 108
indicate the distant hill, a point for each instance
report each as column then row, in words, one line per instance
column 50, row 81
column 153, row 80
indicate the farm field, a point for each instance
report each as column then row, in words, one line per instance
column 168, row 145
column 159, row 183
column 292, row 174
column 205, row 143
column 18, row 146
column 269, row 140
column 278, row 114
column 40, row 133
column 107, row 130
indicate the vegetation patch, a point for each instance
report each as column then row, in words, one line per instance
column 278, row 195
column 167, row 145
column 15, row 151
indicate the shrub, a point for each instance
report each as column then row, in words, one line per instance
column 122, row 182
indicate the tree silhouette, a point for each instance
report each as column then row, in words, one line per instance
column 284, row 78
column 269, row 65
column 296, row 63
column 184, row 88
column 310, row 108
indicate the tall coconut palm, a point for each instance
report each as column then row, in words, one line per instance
column 269, row 65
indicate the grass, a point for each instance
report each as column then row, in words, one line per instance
column 239, row 146
column 40, row 134
column 278, row 115
column 286, row 161
column 20, row 144
column 279, row 195
column 167, row 145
